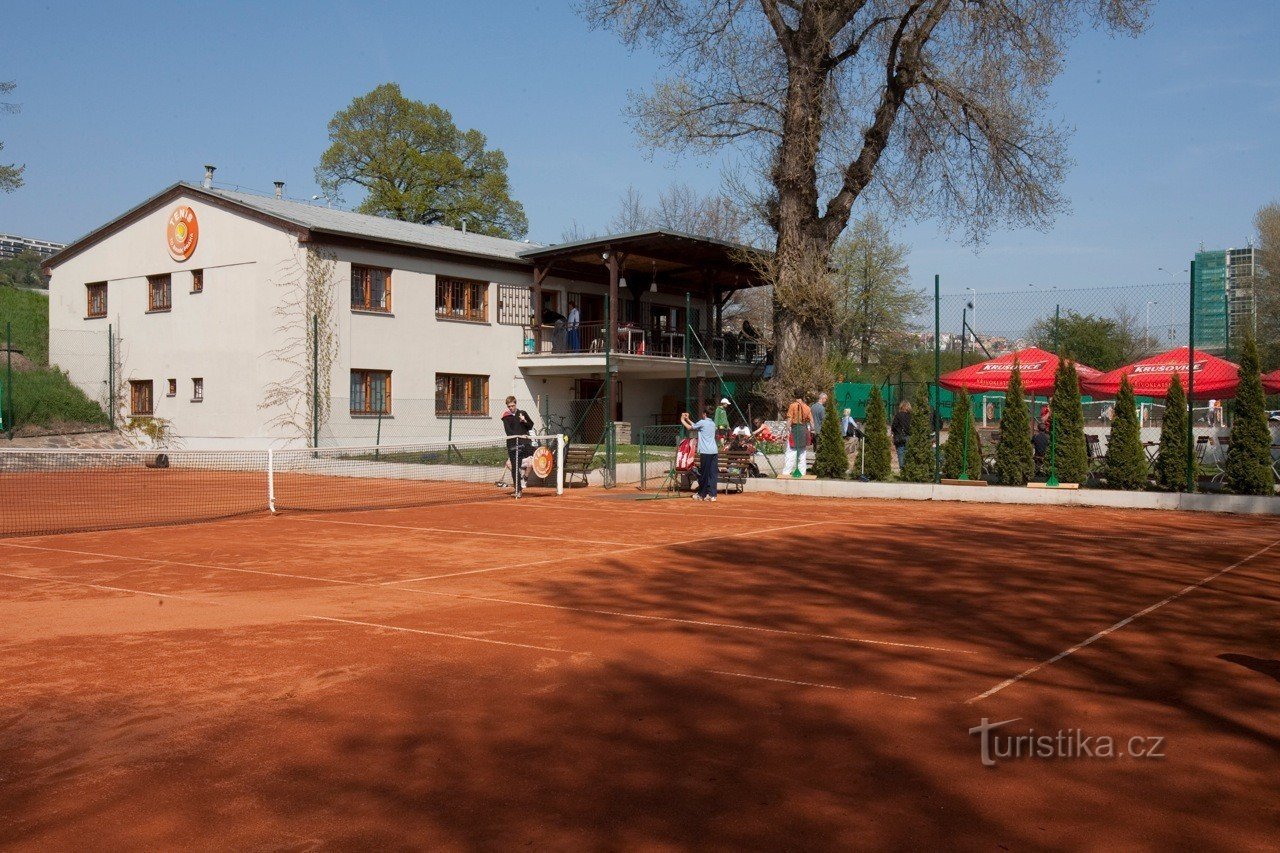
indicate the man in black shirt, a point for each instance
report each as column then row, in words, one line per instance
column 517, row 425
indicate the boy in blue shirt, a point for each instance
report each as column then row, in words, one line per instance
column 708, row 464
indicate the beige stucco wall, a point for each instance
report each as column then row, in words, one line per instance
column 220, row 335
column 229, row 334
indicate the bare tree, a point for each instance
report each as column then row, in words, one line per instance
column 1266, row 285
column 10, row 175
column 933, row 105
column 308, row 324
column 682, row 208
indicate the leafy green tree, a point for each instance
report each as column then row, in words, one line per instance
column 876, row 446
column 416, row 165
column 1248, row 466
column 1266, row 286
column 830, row 461
column 918, row 465
column 954, row 450
column 1125, row 466
column 1015, row 457
column 1070, row 454
column 875, row 300
column 23, row 271
column 11, row 174
column 1102, row 342
column 1171, row 463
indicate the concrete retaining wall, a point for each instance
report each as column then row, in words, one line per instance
column 1008, row 495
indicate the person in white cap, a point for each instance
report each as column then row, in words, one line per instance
column 722, row 419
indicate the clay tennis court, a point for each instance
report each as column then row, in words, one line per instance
column 592, row 672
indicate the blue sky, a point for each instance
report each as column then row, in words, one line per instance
column 1176, row 133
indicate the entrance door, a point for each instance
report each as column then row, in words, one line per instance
column 589, row 408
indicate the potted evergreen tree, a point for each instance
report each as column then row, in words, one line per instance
column 955, row 450
column 875, row 445
column 830, row 460
column 1248, row 466
column 1125, row 466
column 1171, row 463
column 1015, row 457
column 1070, row 454
column 918, row 467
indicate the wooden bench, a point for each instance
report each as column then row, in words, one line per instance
column 579, row 461
column 734, row 466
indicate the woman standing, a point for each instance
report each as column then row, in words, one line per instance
column 901, row 429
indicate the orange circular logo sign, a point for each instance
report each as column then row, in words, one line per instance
column 182, row 232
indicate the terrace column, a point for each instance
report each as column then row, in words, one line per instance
column 539, row 273
column 613, row 262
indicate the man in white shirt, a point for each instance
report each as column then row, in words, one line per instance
column 575, row 337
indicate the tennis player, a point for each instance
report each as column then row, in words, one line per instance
column 517, row 424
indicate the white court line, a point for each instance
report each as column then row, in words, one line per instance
column 562, row 539
column 627, row 550
column 808, row 684
column 440, row 634
column 464, row 597
column 699, row 623
column 1098, row 636
column 592, row 506
column 110, row 588
column 181, row 563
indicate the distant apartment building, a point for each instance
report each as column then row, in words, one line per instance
column 1225, row 306
column 11, row 245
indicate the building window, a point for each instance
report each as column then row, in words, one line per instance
column 173, row 388
column 97, row 299
column 462, row 394
column 514, row 305
column 371, row 392
column 197, row 390
column 459, row 299
column 159, row 292
column 140, row 400
column 370, row 288
column 197, row 281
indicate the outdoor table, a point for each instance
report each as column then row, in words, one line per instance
column 630, row 333
column 1152, row 449
column 670, row 338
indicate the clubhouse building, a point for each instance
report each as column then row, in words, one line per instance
column 210, row 310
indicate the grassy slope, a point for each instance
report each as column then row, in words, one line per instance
column 42, row 396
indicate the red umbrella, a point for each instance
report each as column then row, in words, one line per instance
column 1271, row 382
column 1037, row 367
column 1151, row 377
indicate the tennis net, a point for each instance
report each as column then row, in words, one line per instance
column 62, row 491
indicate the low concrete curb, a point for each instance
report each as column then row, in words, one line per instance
column 1243, row 504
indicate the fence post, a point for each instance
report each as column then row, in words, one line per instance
column 8, row 373
column 688, row 407
column 1191, row 385
column 315, row 380
column 1053, row 418
column 937, row 377
column 609, row 475
column 271, row 480
column 111, row 376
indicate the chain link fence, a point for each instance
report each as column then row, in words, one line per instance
column 65, row 389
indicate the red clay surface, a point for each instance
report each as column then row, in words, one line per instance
column 585, row 672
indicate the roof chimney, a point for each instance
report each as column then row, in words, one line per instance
column 464, row 226
column 279, row 189
column 208, row 176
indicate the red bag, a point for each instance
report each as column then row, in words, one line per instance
column 686, row 455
